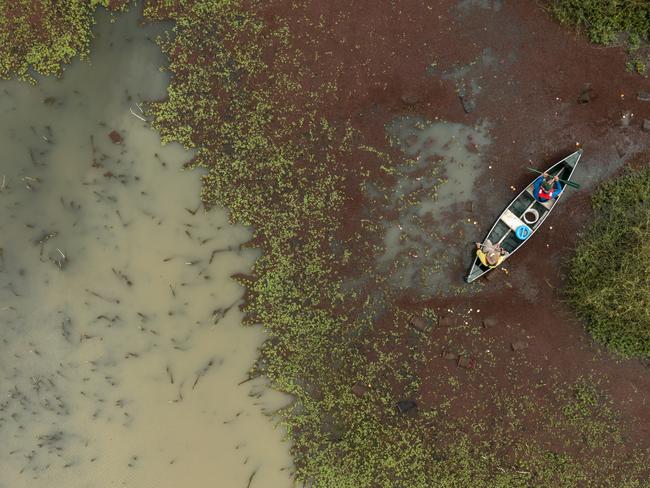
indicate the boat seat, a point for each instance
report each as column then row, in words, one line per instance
column 511, row 220
column 548, row 204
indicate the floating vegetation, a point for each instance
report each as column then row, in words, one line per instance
column 38, row 36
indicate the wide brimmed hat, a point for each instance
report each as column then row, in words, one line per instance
column 493, row 257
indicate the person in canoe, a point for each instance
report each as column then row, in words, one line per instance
column 490, row 255
column 546, row 187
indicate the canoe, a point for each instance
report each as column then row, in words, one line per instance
column 524, row 213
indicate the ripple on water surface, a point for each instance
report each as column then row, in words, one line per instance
column 121, row 348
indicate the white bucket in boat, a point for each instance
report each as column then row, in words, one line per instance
column 530, row 216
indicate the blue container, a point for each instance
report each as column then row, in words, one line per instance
column 523, row 232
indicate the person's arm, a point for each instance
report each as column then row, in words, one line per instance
column 485, row 247
column 482, row 257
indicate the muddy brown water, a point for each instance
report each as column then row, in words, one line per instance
column 121, row 345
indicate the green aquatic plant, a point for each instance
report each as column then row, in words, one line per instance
column 609, row 275
column 606, row 20
column 43, row 35
column 610, row 22
column 637, row 65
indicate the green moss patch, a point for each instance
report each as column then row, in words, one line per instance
column 609, row 282
column 609, row 22
column 605, row 20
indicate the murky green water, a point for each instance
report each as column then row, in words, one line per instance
column 121, row 350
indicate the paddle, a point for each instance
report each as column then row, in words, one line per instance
column 572, row 184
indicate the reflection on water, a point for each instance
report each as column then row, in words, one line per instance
column 121, row 350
